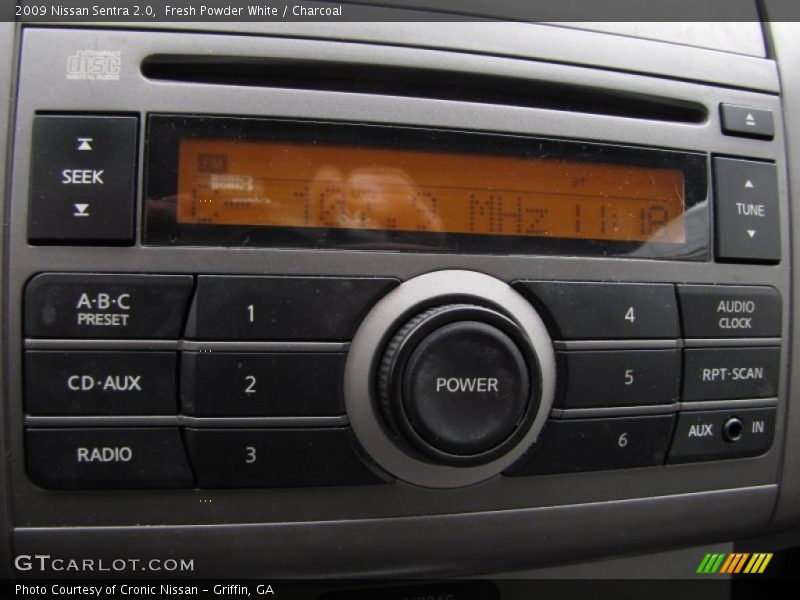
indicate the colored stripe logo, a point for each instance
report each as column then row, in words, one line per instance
column 734, row 563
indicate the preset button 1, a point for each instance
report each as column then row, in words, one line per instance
column 282, row 308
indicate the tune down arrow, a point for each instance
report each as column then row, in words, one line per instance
column 751, row 233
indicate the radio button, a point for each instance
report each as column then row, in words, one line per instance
column 100, row 383
column 596, row 444
column 619, row 378
column 748, row 227
column 282, row 308
column 720, row 311
column 231, row 458
column 265, row 385
column 80, row 305
column 716, row 435
column 746, row 121
column 593, row 311
column 730, row 373
column 83, row 179
column 101, row 458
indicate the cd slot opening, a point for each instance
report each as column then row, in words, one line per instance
column 418, row 83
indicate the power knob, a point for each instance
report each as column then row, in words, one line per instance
column 459, row 384
column 449, row 379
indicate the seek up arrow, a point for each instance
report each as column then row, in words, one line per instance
column 85, row 143
column 751, row 233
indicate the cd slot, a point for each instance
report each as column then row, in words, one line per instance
column 418, row 83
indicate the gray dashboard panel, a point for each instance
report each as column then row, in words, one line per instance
column 525, row 520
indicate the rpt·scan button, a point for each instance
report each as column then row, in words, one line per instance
column 723, row 311
column 72, row 305
column 729, row 373
column 83, row 179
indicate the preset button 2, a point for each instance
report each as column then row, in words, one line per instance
column 262, row 384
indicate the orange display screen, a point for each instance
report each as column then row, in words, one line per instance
column 301, row 185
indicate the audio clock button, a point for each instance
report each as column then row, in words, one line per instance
column 722, row 311
column 457, row 382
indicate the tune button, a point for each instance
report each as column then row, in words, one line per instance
column 459, row 383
